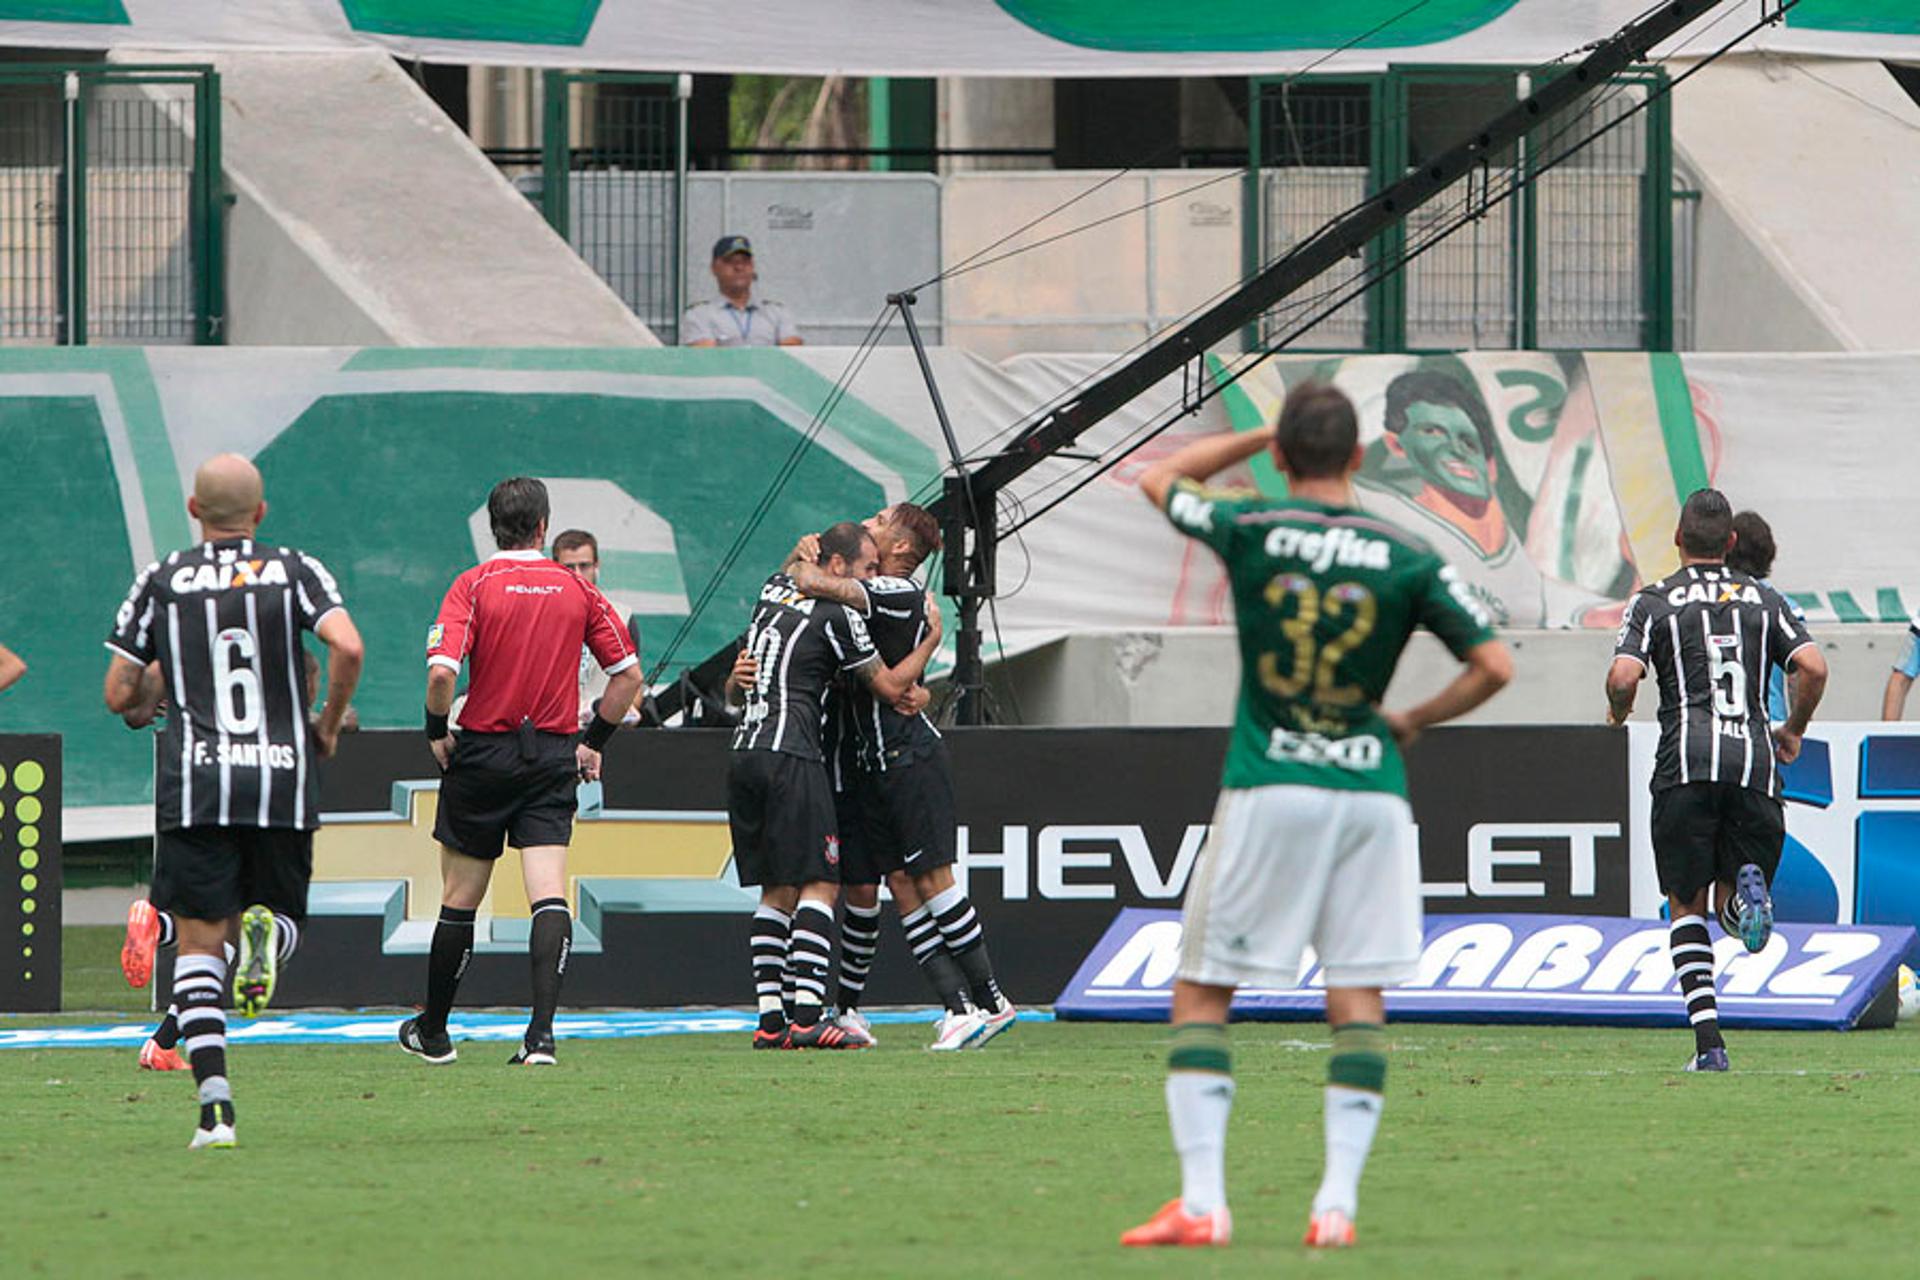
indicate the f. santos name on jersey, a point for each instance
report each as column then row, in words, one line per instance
column 244, row 755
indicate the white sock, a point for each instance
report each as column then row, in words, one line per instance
column 1198, row 1104
column 1352, row 1117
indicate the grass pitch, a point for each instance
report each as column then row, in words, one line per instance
column 1504, row 1152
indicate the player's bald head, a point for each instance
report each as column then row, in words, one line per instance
column 227, row 492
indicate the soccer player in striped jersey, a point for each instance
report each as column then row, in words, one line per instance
column 149, row 928
column 216, row 630
column 1709, row 635
column 906, row 784
column 1313, row 841
column 779, row 800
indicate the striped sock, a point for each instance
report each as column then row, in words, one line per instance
column 859, row 939
column 961, row 930
column 446, row 963
column 286, row 931
column 199, row 983
column 167, row 1034
column 810, row 956
column 1693, row 961
column 1199, row 1102
column 769, row 954
column 935, row 961
column 1356, row 1081
column 548, row 948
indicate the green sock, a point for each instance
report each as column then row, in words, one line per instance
column 1359, row 1058
column 1200, row 1046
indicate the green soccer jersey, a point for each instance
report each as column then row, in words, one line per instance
column 1325, row 599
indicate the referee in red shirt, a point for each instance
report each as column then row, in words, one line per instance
column 518, row 621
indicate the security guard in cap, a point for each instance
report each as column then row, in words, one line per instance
column 737, row 318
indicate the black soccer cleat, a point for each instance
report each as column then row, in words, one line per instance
column 823, row 1035
column 436, row 1050
column 535, row 1051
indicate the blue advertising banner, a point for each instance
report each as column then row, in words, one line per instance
column 1566, row 970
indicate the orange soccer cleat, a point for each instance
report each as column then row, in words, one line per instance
column 1330, row 1230
column 154, row 1058
column 1174, row 1225
column 143, row 935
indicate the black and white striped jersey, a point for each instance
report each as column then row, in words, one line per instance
column 224, row 621
column 1709, row 635
column 897, row 619
column 799, row 644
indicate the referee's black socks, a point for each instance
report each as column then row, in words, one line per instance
column 551, row 943
column 446, row 962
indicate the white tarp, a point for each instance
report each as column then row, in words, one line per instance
column 942, row 37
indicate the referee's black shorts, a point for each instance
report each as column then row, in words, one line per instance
column 1706, row 831
column 780, row 809
column 215, row 873
column 519, row 789
column 909, row 814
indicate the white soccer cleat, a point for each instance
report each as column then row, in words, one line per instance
column 957, row 1030
column 996, row 1022
column 218, row 1137
column 855, row 1024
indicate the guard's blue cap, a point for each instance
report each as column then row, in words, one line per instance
column 732, row 244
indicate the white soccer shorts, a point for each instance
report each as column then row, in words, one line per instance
column 1287, row 867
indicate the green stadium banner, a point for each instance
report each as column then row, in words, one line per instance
column 925, row 38
column 30, row 786
column 697, row 470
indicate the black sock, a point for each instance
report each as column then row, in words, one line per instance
column 859, row 939
column 810, row 956
column 1693, row 961
column 550, row 945
column 961, row 930
column 936, row 964
column 199, row 985
column 769, row 954
column 446, row 962
column 167, row 1034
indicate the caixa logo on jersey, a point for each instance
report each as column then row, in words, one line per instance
column 1550, row 969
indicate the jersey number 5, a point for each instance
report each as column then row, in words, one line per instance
column 1316, row 665
column 1728, row 680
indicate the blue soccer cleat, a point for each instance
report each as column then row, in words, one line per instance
column 1711, row 1060
column 1755, row 907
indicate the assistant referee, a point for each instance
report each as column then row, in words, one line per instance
column 517, row 620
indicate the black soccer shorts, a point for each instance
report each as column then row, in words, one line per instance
column 909, row 813
column 857, row 863
column 215, row 873
column 1706, row 831
column 780, row 810
column 508, row 788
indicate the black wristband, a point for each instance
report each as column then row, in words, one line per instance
column 436, row 726
column 599, row 733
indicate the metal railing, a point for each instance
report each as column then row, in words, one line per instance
column 1580, row 259
column 630, row 131
column 109, row 221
